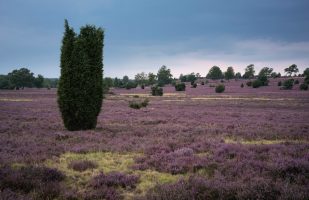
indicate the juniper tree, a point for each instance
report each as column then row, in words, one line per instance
column 80, row 85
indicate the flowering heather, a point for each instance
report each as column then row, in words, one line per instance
column 244, row 143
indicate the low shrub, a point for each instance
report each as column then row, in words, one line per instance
column 180, row 87
column 257, row 84
column 142, row 87
column 138, row 104
column 222, row 81
column 194, row 85
column 288, row 84
column 242, row 85
column 206, row 82
column 296, row 82
column 220, row 88
column 82, row 165
column 202, row 83
column 156, row 91
column 212, row 85
column 303, row 86
column 114, row 179
column 29, row 178
column 131, row 85
column 249, row 83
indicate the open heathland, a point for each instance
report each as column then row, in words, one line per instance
column 244, row 143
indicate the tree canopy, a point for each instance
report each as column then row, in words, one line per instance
column 291, row 69
column 164, row 76
column 215, row 73
column 249, row 71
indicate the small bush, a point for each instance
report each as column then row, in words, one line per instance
column 279, row 83
column 296, row 82
column 142, row 87
column 242, row 85
column 202, row 83
column 303, row 86
column 212, row 85
column 206, row 82
column 131, row 85
column 288, row 84
column 180, row 87
column 220, row 88
column 257, row 84
column 249, row 83
column 156, row 91
column 82, row 165
column 222, row 81
column 138, row 105
column 194, row 85
column 306, row 80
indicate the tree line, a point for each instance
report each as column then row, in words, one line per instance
column 23, row 77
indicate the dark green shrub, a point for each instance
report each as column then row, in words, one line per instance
column 80, row 86
column 303, row 86
column 174, row 82
column 130, row 85
column 279, row 83
column 263, row 80
column 249, row 83
column 242, row 85
column 288, row 84
column 142, row 87
column 156, row 91
column 257, row 84
column 202, row 83
column 194, row 85
column 220, row 88
column 296, row 82
column 180, row 87
column 306, row 80
column 222, row 81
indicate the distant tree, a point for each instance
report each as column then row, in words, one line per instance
column 164, row 76
column 238, row 75
column 215, row 73
column 306, row 72
column 229, row 74
column 249, row 71
column 5, row 82
column 183, row 78
column 109, row 82
column 38, row 81
column 80, row 86
column 152, row 78
column 125, row 80
column 290, row 70
column 141, row 78
column 265, row 71
column 21, row 78
column 191, row 77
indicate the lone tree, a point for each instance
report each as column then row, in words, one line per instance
column 229, row 74
column 164, row 76
column 215, row 73
column 249, row 71
column 21, row 78
column 80, row 85
column 292, row 69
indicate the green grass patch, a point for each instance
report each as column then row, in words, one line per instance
column 109, row 162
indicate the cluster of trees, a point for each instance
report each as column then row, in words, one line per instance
column 23, row 77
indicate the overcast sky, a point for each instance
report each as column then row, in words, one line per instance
column 142, row 35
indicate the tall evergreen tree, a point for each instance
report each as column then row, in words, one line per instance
column 80, row 85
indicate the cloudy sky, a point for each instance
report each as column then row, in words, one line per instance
column 142, row 35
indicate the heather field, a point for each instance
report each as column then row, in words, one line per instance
column 244, row 143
